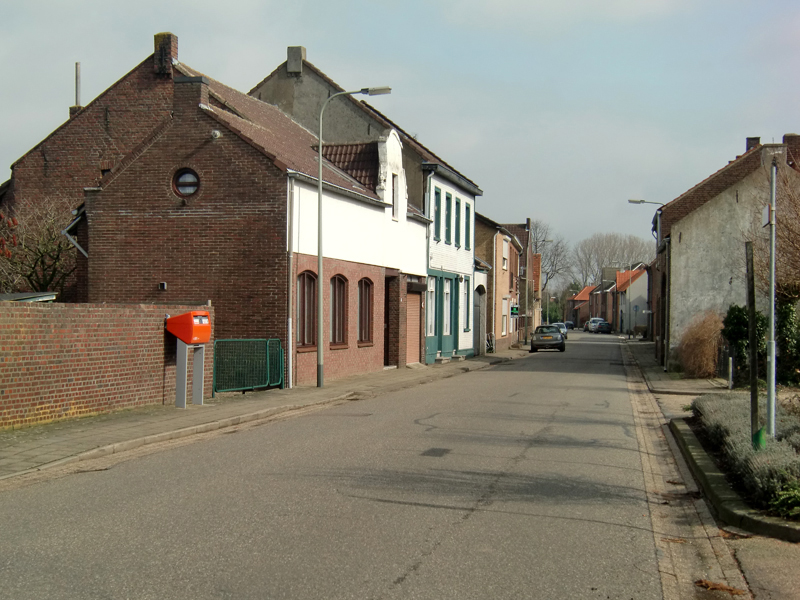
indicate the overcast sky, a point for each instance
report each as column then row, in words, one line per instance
column 559, row 111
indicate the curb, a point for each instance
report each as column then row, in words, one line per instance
column 175, row 434
column 727, row 504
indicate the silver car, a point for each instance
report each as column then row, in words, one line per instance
column 548, row 337
column 562, row 327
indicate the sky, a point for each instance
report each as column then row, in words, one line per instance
column 559, row 111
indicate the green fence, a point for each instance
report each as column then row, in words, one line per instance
column 247, row 364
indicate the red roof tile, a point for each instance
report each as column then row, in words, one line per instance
column 625, row 279
column 358, row 160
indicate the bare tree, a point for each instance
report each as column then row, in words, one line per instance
column 554, row 250
column 34, row 255
column 589, row 256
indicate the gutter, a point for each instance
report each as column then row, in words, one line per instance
column 453, row 178
column 335, row 188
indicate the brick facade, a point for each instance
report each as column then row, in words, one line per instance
column 226, row 243
column 59, row 360
column 351, row 358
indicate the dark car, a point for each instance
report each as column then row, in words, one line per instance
column 604, row 327
column 548, row 337
column 569, row 324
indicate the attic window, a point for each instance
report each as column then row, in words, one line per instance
column 185, row 183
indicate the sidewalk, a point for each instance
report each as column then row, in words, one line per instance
column 768, row 564
column 44, row 446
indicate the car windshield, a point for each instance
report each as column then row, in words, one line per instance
column 547, row 329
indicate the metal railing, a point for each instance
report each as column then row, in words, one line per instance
column 247, row 364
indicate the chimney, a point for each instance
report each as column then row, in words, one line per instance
column 190, row 92
column 752, row 142
column 295, row 55
column 792, row 141
column 74, row 110
column 166, row 51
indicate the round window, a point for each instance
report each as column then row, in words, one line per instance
column 186, row 182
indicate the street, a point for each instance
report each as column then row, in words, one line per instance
column 523, row 480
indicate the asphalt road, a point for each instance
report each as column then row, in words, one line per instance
column 522, row 480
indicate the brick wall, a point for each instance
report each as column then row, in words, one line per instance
column 64, row 360
column 225, row 243
column 353, row 358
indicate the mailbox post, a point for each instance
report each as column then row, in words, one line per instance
column 193, row 330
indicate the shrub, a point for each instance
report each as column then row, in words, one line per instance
column 735, row 330
column 762, row 473
column 699, row 346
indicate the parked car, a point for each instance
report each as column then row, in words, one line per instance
column 603, row 327
column 562, row 327
column 586, row 326
column 593, row 322
column 569, row 324
column 548, row 337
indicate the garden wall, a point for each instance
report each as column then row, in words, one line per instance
column 59, row 361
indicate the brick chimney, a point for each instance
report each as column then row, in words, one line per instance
column 752, row 142
column 166, row 50
column 190, row 92
column 295, row 55
column 792, row 141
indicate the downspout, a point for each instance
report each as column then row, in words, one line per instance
column 667, row 340
column 494, row 288
column 290, row 282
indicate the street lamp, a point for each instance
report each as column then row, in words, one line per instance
column 635, row 201
column 373, row 91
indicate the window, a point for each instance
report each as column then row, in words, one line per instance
column 395, row 194
column 458, row 222
column 185, row 183
column 504, row 322
column 365, row 310
column 446, row 308
column 306, row 309
column 468, row 226
column 466, row 303
column 437, row 214
column 448, row 205
column 338, row 310
column 431, row 306
column 505, row 254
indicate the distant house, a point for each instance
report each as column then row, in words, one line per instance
column 700, row 235
column 433, row 189
column 530, row 278
column 578, row 306
column 497, row 246
column 631, row 301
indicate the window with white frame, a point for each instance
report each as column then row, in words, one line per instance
column 395, row 195
column 466, row 304
column 431, row 304
column 504, row 321
column 505, row 254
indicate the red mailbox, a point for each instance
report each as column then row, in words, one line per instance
column 191, row 327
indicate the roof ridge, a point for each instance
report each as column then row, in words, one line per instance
column 137, row 151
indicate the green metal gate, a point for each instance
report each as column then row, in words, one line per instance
column 247, row 364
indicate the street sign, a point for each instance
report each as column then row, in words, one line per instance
column 514, row 311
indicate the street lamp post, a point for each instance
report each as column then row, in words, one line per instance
column 373, row 91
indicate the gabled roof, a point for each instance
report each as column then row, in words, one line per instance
column 426, row 154
column 584, row 293
column 709, row 188
column 270, row 130
column 487, row 221
column 359, row 160
column 625, row 279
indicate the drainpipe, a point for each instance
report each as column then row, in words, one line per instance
column 667, row 340
column 290, row 282
column 494, row 288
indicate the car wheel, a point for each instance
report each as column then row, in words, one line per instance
column 562, row 348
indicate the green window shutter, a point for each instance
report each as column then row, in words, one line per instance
column 437, row 214
column 448, row 206
column 468, row 228
column 458, row 222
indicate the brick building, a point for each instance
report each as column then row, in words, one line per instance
column 212, row 196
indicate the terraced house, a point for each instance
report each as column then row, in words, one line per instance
column 439, row 316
